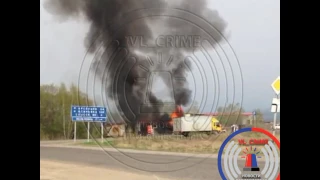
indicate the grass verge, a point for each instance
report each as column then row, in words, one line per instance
column 200, row 143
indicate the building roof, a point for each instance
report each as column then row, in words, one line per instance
column 217, row 114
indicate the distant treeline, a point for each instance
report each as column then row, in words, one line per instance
column 55, row 105
column 232, row 114
column 56, row 102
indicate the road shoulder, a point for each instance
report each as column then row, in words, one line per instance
column 107, row 149
column 56, row 170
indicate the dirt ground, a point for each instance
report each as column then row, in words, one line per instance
column 54, row 170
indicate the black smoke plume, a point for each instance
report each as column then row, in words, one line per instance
column 116, row 23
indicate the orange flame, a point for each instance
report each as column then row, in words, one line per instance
column 175, row 114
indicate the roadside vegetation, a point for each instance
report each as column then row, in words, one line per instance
column 200, row 143
column 55, row 105
column 56, row 124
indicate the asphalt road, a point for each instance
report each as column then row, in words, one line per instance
column 178, row 167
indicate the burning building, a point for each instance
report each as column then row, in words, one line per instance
column 117, row 25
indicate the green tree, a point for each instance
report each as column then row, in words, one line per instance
column 55, row 107
column 231, row 114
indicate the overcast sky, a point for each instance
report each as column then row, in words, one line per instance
column 254, row 28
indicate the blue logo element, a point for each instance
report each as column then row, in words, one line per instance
column 251, row 163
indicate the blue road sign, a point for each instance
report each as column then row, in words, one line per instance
column 254, row 112
column 89, row 113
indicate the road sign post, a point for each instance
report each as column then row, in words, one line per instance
column 88, row 132
column 254, row 118
column 275, row 107
column 88, row 114
column 101, row 132
column 75, row 132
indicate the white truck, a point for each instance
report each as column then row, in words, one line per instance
column 196, row 123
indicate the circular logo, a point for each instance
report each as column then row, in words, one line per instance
column 260, row 157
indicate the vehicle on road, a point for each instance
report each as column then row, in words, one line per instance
column 197, row 123
column 277, row 127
